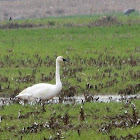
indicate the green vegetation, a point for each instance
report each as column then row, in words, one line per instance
column 68, row 21
column 103, row 54
column 94, row 121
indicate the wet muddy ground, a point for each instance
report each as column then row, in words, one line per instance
column 75, row 99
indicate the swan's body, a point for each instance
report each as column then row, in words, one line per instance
column 43, row 91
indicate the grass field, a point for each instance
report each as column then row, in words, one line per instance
column 93, row 121
column 103, row 54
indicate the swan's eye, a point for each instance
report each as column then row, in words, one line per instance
column 64, row 59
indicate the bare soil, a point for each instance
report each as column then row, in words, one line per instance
column 23, row 9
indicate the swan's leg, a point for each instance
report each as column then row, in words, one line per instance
column 25, row 102
column 38, row 101
column 43, row 106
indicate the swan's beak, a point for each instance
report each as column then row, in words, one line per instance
column 64, row 59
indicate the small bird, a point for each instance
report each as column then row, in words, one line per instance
column 44, row 91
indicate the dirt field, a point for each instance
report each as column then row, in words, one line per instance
column 21, row 9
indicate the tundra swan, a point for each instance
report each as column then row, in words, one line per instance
column 44, row 91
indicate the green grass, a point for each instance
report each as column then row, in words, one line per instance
column 66, row 21
column 96, row 117
column 91, row 50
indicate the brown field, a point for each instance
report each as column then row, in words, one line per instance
column 22, row 9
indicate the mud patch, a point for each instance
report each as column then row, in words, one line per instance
column 16, row 26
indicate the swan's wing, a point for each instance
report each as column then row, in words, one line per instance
column 24, row 96
column 42, row 91
column 25, row 90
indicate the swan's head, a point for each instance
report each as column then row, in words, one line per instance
column 60, row 59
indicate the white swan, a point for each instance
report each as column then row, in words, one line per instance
column 44, row 91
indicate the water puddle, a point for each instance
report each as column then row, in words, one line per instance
column 76, row 99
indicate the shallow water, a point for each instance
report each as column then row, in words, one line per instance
column 76, row 99
column 100, row 98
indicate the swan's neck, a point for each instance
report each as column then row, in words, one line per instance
column 58, row 73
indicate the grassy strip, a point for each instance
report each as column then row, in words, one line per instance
column 69, row 21
column 93, row 121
